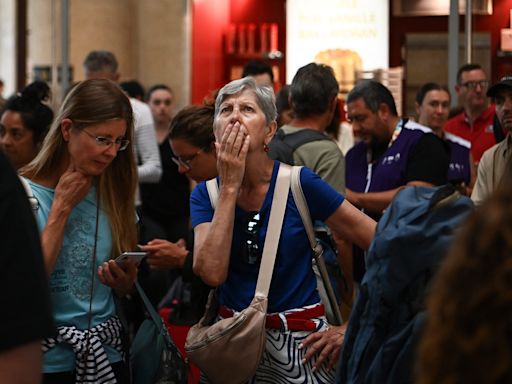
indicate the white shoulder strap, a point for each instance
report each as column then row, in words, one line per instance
column 275, row 224
column 34, row 203
column 213, row 191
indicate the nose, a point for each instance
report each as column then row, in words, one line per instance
column 183, row 169
column 5, row 140
column 235, row 116
column 112, row 150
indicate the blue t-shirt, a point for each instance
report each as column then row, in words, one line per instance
column 70, row 281
column 293, row 281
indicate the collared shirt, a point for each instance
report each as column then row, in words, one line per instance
column 480, row 134
column 491, row 169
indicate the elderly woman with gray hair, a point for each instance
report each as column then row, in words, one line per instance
column 229, row 239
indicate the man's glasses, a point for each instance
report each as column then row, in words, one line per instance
column 185, row 161
column 251, row 250
column 106, row 142
column 473, row 84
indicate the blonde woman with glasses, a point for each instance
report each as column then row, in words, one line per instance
column 84, row 182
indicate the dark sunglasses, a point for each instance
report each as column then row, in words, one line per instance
column 251, row 228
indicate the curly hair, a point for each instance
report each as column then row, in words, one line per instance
column 468, row 334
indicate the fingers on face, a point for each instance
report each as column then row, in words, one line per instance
column 234, row 139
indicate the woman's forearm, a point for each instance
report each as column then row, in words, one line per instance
column 53, row 235
column 213, row 241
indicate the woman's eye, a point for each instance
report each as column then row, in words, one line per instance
column 225, row 109
column 103, row 140
column 248, row 108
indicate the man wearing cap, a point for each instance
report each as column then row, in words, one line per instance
column 493, row 162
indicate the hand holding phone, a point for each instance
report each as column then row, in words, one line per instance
column 135, row 256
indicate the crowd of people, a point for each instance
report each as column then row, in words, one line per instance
column 118, row 169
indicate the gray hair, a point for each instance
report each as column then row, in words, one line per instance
column 265, row 97
column 97, row 61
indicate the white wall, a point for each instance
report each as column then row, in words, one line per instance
column 7, row 46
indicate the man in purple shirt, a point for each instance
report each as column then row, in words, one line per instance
column 393, row 153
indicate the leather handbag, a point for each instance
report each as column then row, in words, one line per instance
column 230, row 350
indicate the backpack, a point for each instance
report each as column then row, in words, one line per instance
column 282, row 146
column 410, row 241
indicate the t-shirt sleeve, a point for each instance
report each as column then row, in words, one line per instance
column 26, row 314
column 322, row 199
column 429, row 161
column 201, row 210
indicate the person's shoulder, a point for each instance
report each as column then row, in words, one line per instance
column 457, row 140
column 488, row 154
column 359, row 147
column 414, row 126
column 454, row 121
column 139, row 107
column 141, row 113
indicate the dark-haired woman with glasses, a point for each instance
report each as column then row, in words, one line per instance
column 229, row 240
column 84, row 180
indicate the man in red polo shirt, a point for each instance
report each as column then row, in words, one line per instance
column 475, row 122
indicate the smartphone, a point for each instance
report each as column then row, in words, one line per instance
column 135, row 256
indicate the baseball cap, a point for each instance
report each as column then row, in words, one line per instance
column 504, row 83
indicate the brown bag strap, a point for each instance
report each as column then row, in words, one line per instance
column 275, row 224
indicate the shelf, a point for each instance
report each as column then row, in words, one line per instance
column 275, row 55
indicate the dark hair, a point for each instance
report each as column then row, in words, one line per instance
column 283, row 99
column 467, row 336
column 373, row 94
column 158, row 87
column 312, row 90
column 97, row 61
column 466, row 68
column 35, row 115
column 426, row 88
column 195, row 125
column 257, row 67
column 333, row 129
column 133, row 88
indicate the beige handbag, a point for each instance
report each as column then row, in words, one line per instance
column 230, row 351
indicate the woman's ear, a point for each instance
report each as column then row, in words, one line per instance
column 272, row 129
column 65, row 128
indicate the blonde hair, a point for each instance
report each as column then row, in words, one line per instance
column 88, row 103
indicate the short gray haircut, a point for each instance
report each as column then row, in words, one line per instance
column 97, row 61
column 265, row 97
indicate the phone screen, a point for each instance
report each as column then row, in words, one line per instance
column 135, row 256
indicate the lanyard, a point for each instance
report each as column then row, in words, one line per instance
column 397, row 131
column 401, row 123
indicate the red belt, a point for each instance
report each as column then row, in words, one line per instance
column 295, row 321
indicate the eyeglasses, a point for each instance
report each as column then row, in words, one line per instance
column 185, row 161
column 106, row 142
column 473, row 84
column 251, row 250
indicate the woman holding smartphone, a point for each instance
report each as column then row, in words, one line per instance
column 84, row 180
